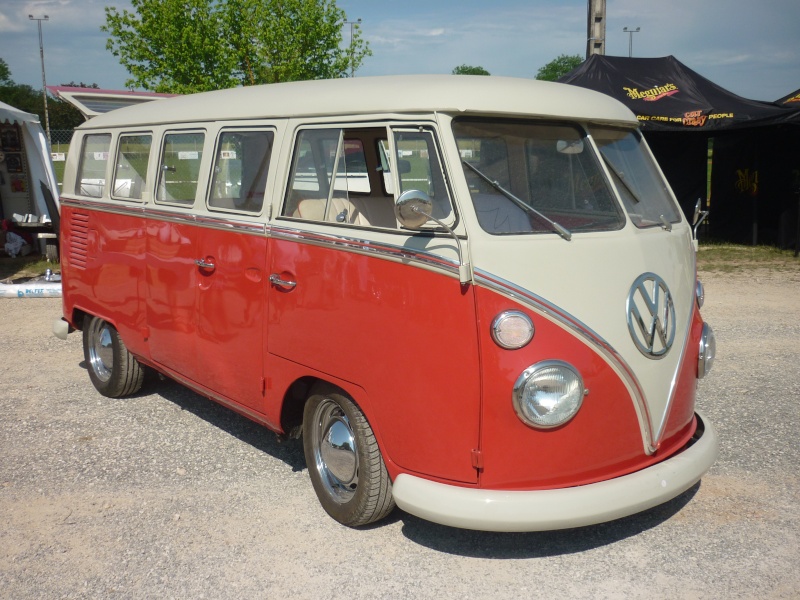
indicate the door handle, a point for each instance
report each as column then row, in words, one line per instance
column 276, row 280
column 205, row 264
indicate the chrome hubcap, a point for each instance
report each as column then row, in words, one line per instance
column 335, row 451
column 101, row 352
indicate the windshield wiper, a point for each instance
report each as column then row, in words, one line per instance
column 562, row 231
column 621, row 176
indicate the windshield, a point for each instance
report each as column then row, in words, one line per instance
column 534, row 177
column 641, row 186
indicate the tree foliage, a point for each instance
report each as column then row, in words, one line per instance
column 470, row 70
column 559, row 67
column 27, row 99
column 5, row 73
column 185, row 46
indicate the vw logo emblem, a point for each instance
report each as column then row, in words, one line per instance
column 651, row 316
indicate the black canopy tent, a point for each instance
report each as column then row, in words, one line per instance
column 791, row 100
column 756, row 144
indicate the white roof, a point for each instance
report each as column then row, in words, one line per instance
column 9, row 114
column 378, row 95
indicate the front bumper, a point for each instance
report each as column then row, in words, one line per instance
column 543, row 510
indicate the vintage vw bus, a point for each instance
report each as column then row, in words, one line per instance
column 474, row 297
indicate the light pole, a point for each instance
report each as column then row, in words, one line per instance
column 353, row 25
column 630, row 33
column 44, row 79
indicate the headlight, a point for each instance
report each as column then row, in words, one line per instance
column 512, row 329
column 708, row 350
column 548, row 394
column 700, row 294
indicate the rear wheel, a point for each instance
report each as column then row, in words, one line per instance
column 113, row 370
column 344, row 461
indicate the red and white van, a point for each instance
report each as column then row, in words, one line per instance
column 474, row 297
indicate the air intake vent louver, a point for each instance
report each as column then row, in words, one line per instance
column 79, row 239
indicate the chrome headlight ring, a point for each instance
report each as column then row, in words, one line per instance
column 548, row 394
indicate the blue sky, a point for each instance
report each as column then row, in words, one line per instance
column 751, row 48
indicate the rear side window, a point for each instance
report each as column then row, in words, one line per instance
column 130, row 173
column 179, row 167
column 240, row 171
column 91, row 179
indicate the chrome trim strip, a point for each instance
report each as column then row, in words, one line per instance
column 215, row 222
column 369, row 247
column 594, row 340
column 115, row 207
column 202, row 220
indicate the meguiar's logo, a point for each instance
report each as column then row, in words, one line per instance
column 653, row 94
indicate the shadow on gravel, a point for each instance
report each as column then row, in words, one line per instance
column 450, row 540
column 242, row 428
column 482, row 544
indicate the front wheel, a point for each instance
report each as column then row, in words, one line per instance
column 114, row 371
column 344, row 461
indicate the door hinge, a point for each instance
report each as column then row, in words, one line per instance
column 477, row 460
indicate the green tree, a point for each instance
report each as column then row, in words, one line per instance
column 185, row 46
column 5, row 73
column 470, row 70
column 559, row 67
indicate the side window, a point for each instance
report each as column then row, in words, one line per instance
column 321, row 180
column 240, row 171
column 336, row 178
column 355, row 173
column 419, row 168
column 179, row 167
column 385, row 167
column 91, row 180
column 130, row 172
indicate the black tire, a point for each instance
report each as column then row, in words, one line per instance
column 114, row 371
column 344, row 461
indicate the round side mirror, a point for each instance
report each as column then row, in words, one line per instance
column 413, row 209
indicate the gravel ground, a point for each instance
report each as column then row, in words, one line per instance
column 167, row 495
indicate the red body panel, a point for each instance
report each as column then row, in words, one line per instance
column 602, row 441
column 231, row 304
column 172, row 296
column 411, row 345
column 103, row 270
column 405, row 334
column 683, row 403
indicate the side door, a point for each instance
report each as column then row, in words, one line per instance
column 231, row 280
column 359, row 299
column 172, row 274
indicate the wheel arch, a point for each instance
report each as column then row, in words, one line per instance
column 300, row 390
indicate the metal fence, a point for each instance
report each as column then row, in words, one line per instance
column 60, row 139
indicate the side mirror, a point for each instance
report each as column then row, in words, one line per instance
column 698, row 218
column 413, row 210
column 569, row 146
